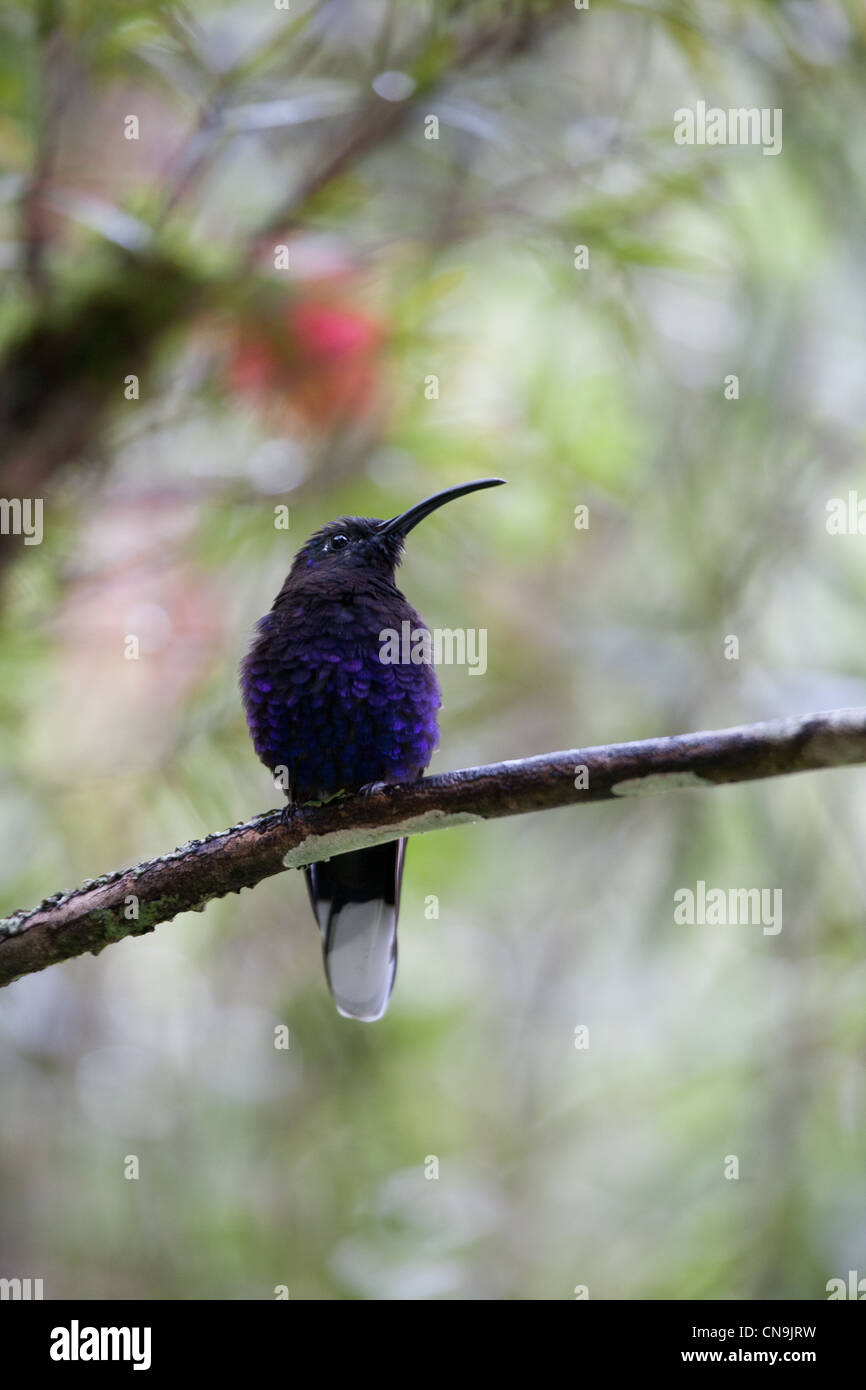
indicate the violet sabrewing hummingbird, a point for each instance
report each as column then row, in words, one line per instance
column 328, row 714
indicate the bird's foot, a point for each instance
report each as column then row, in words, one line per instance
column 371, row 788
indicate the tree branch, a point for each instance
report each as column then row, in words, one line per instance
column 131, row 902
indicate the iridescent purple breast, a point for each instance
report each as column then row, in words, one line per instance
column 323, row 705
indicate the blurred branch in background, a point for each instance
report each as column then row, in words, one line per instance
column 131, row 902
column 64, row 368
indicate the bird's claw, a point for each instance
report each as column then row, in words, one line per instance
column 371, row 788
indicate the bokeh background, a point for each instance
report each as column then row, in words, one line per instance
column 412, row 258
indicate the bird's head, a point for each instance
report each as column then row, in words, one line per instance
column 368, row 544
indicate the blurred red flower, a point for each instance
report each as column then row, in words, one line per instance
column 321, row 358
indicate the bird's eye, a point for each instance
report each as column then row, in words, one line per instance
column 338, row 542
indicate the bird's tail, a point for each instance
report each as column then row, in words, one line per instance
column 356, row 899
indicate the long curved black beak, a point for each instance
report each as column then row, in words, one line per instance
column 406, row 520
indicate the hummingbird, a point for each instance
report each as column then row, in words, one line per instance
column 327, row 714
